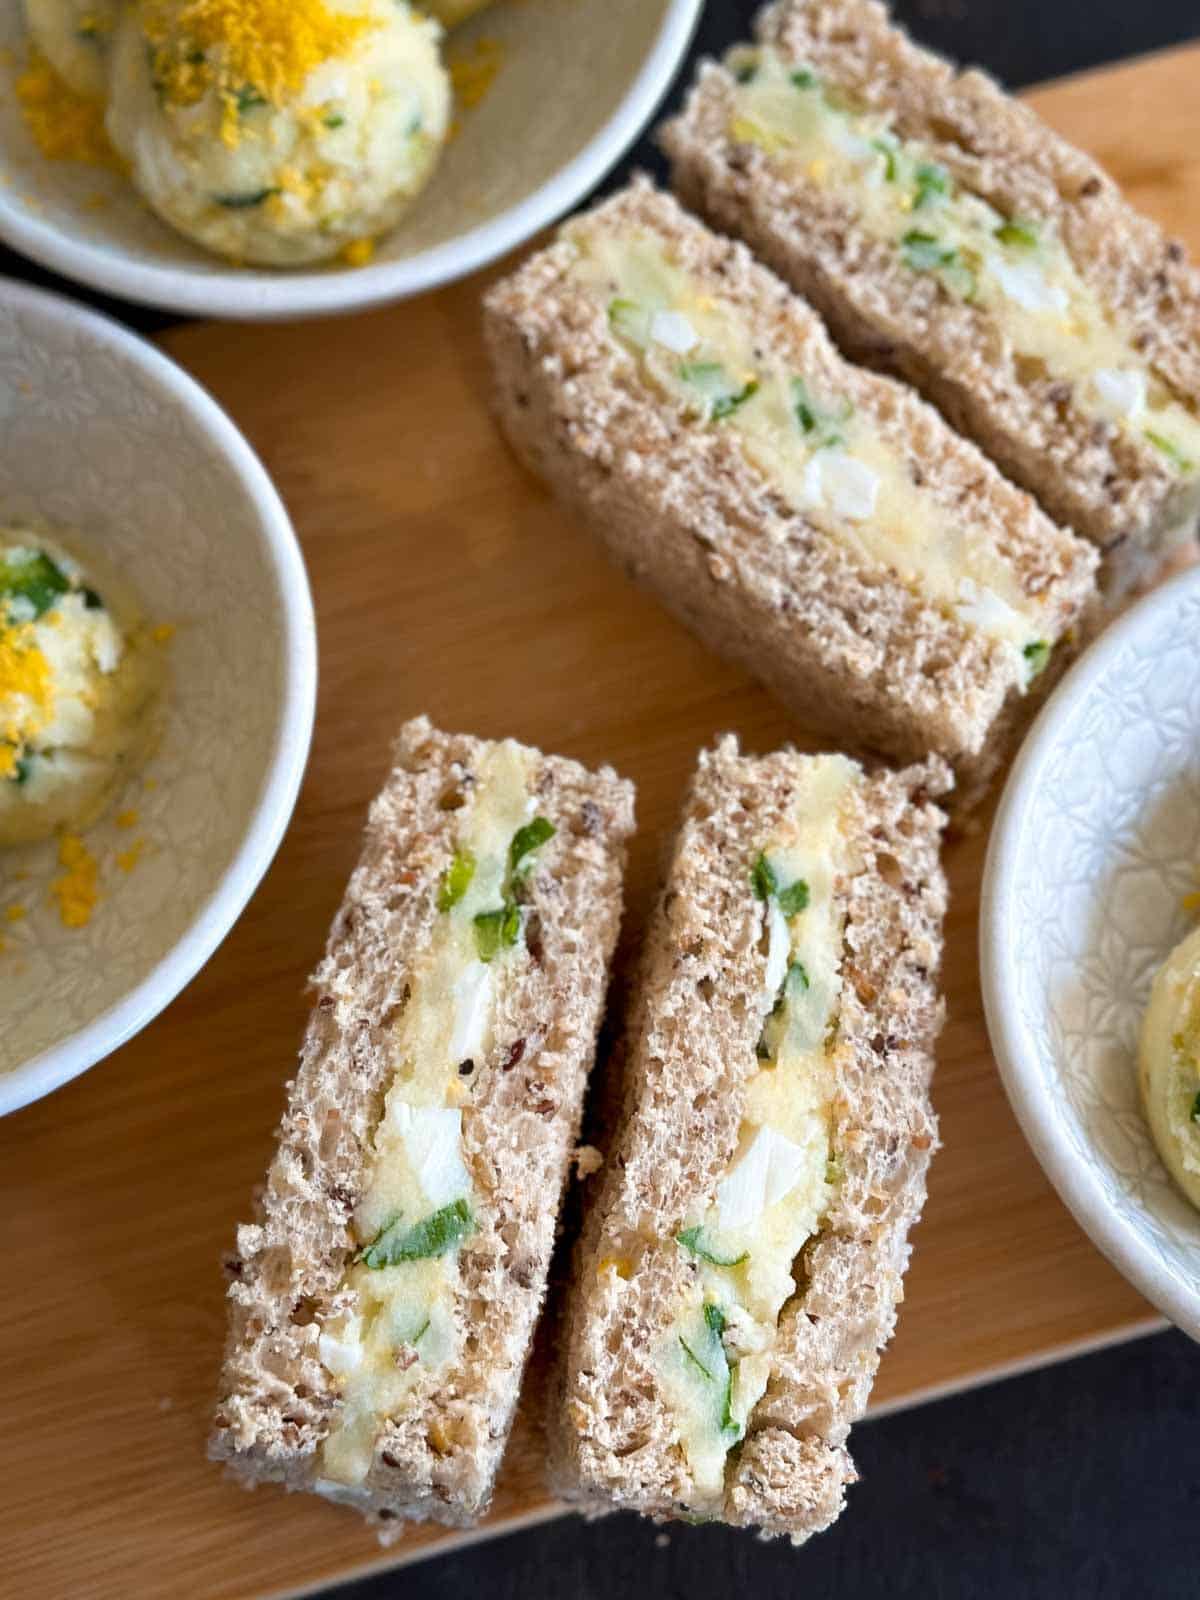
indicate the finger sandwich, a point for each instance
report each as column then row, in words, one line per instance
column 816, row 522
column 740, row 1268
column 383, row 1303
column 947, row 235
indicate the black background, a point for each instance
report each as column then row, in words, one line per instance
column 1079, row 1480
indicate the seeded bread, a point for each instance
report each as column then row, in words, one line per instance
column 1111, row 487
column 437, row 1459
column 685, row 511
column 690, row 1052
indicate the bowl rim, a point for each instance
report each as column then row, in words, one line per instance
column 234, row 293
column 273, row 809
column 1076, row 1182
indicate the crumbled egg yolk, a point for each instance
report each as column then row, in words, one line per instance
column 359, row 252
column 472, row 75
column 26, row 692
column 76, row 891
column 65, row 125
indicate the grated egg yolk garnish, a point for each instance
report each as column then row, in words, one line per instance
column 26, row 692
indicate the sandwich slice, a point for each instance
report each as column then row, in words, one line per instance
column 948, row 236
column 816, row 522
column 383, row 1303
column 740, row 1268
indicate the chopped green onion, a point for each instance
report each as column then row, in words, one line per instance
column 746, row 72
column 794, row 898
column 805, row 78
column 797, row 977
column 1037, row 654
column 524, row 842
column 715, row 385
column 434, row 1235
column 762, row 878
column 1171, row 450
column 924, row 253
column 248, row 98
column 1021, row 235
column 695, row 1359
column 20, row 772
column 694, row 1239
column 714, row 1321
column 821, row 426
column 629, row 320
column 888, row 152
column 243, row 202
column 456, row 880
column 334, row 120
column 92, row 600
column 497, row 930
column 932, row 181
column 31, row 575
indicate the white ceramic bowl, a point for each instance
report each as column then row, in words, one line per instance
column 1096, row 843
column 577, row 82
column 101, row 434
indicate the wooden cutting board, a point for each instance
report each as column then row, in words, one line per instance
column 445, row 582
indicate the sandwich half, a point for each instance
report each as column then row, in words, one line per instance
column 947, row 235
column 814, row 521
column 383, row 1303
column 740, row 1268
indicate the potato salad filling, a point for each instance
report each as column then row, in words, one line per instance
column 1169, row 1065
column 715, row 1359
column 825, row 457
column 1017, row 269
column 75, row 36
column 278, row 131
column 76, row 683
column 394, row 1321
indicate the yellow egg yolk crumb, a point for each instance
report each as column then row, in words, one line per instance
column 128, row 859
column 26, row 692
column 163, row 632
column 76, row 891
column 359, row 252
column 127, row 819
column 15, row 913
column 472, row 75
column 267, row 47
column 65, row 126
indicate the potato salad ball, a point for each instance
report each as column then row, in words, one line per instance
column 278, row 132
column 75, row 36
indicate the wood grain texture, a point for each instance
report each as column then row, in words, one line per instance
column 445, row 582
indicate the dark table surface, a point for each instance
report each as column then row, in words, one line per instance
column 1079, row 1480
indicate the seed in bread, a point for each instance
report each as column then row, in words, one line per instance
column 740, row 1269
column 812, row 520
column 947, row 235
column 383, row 1304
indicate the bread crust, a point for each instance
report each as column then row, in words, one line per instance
column 684, row 511
column 520, row 1125
column 1114, row 490
column 690, row 1054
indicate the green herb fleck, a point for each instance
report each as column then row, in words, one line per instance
column 933, row 182
column 924, row 253
column 805, row 78
column 244, row 202
column 31, row 575
column 434, row 1235
column 716, row 386
column 1037, row 654
column 714, row 1321
column 695, row 1359
column 334, row 120
column 746, row 72
column 419, row 1335
column 762, row 878
column 456, row 880
column 1020, row 235
column 497, row 930
column 1171, row 450
column 524, row 842
column 1195, row 1111
column 630, row 320
column 797, row 977
column 888, row 152
column 92, row 600
column 821, row 427
column 794, row 898
column 249, row 97
column 20, row 773
column 695, row 1240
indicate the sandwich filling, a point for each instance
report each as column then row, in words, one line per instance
column 393, row 1321
column 1016, row 269
column 825, row 457
column 743, row 1242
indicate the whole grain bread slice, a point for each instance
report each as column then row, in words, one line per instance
column 841, row 641
column 690, row 1052
column 1113, row 488
column 438, row 1458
